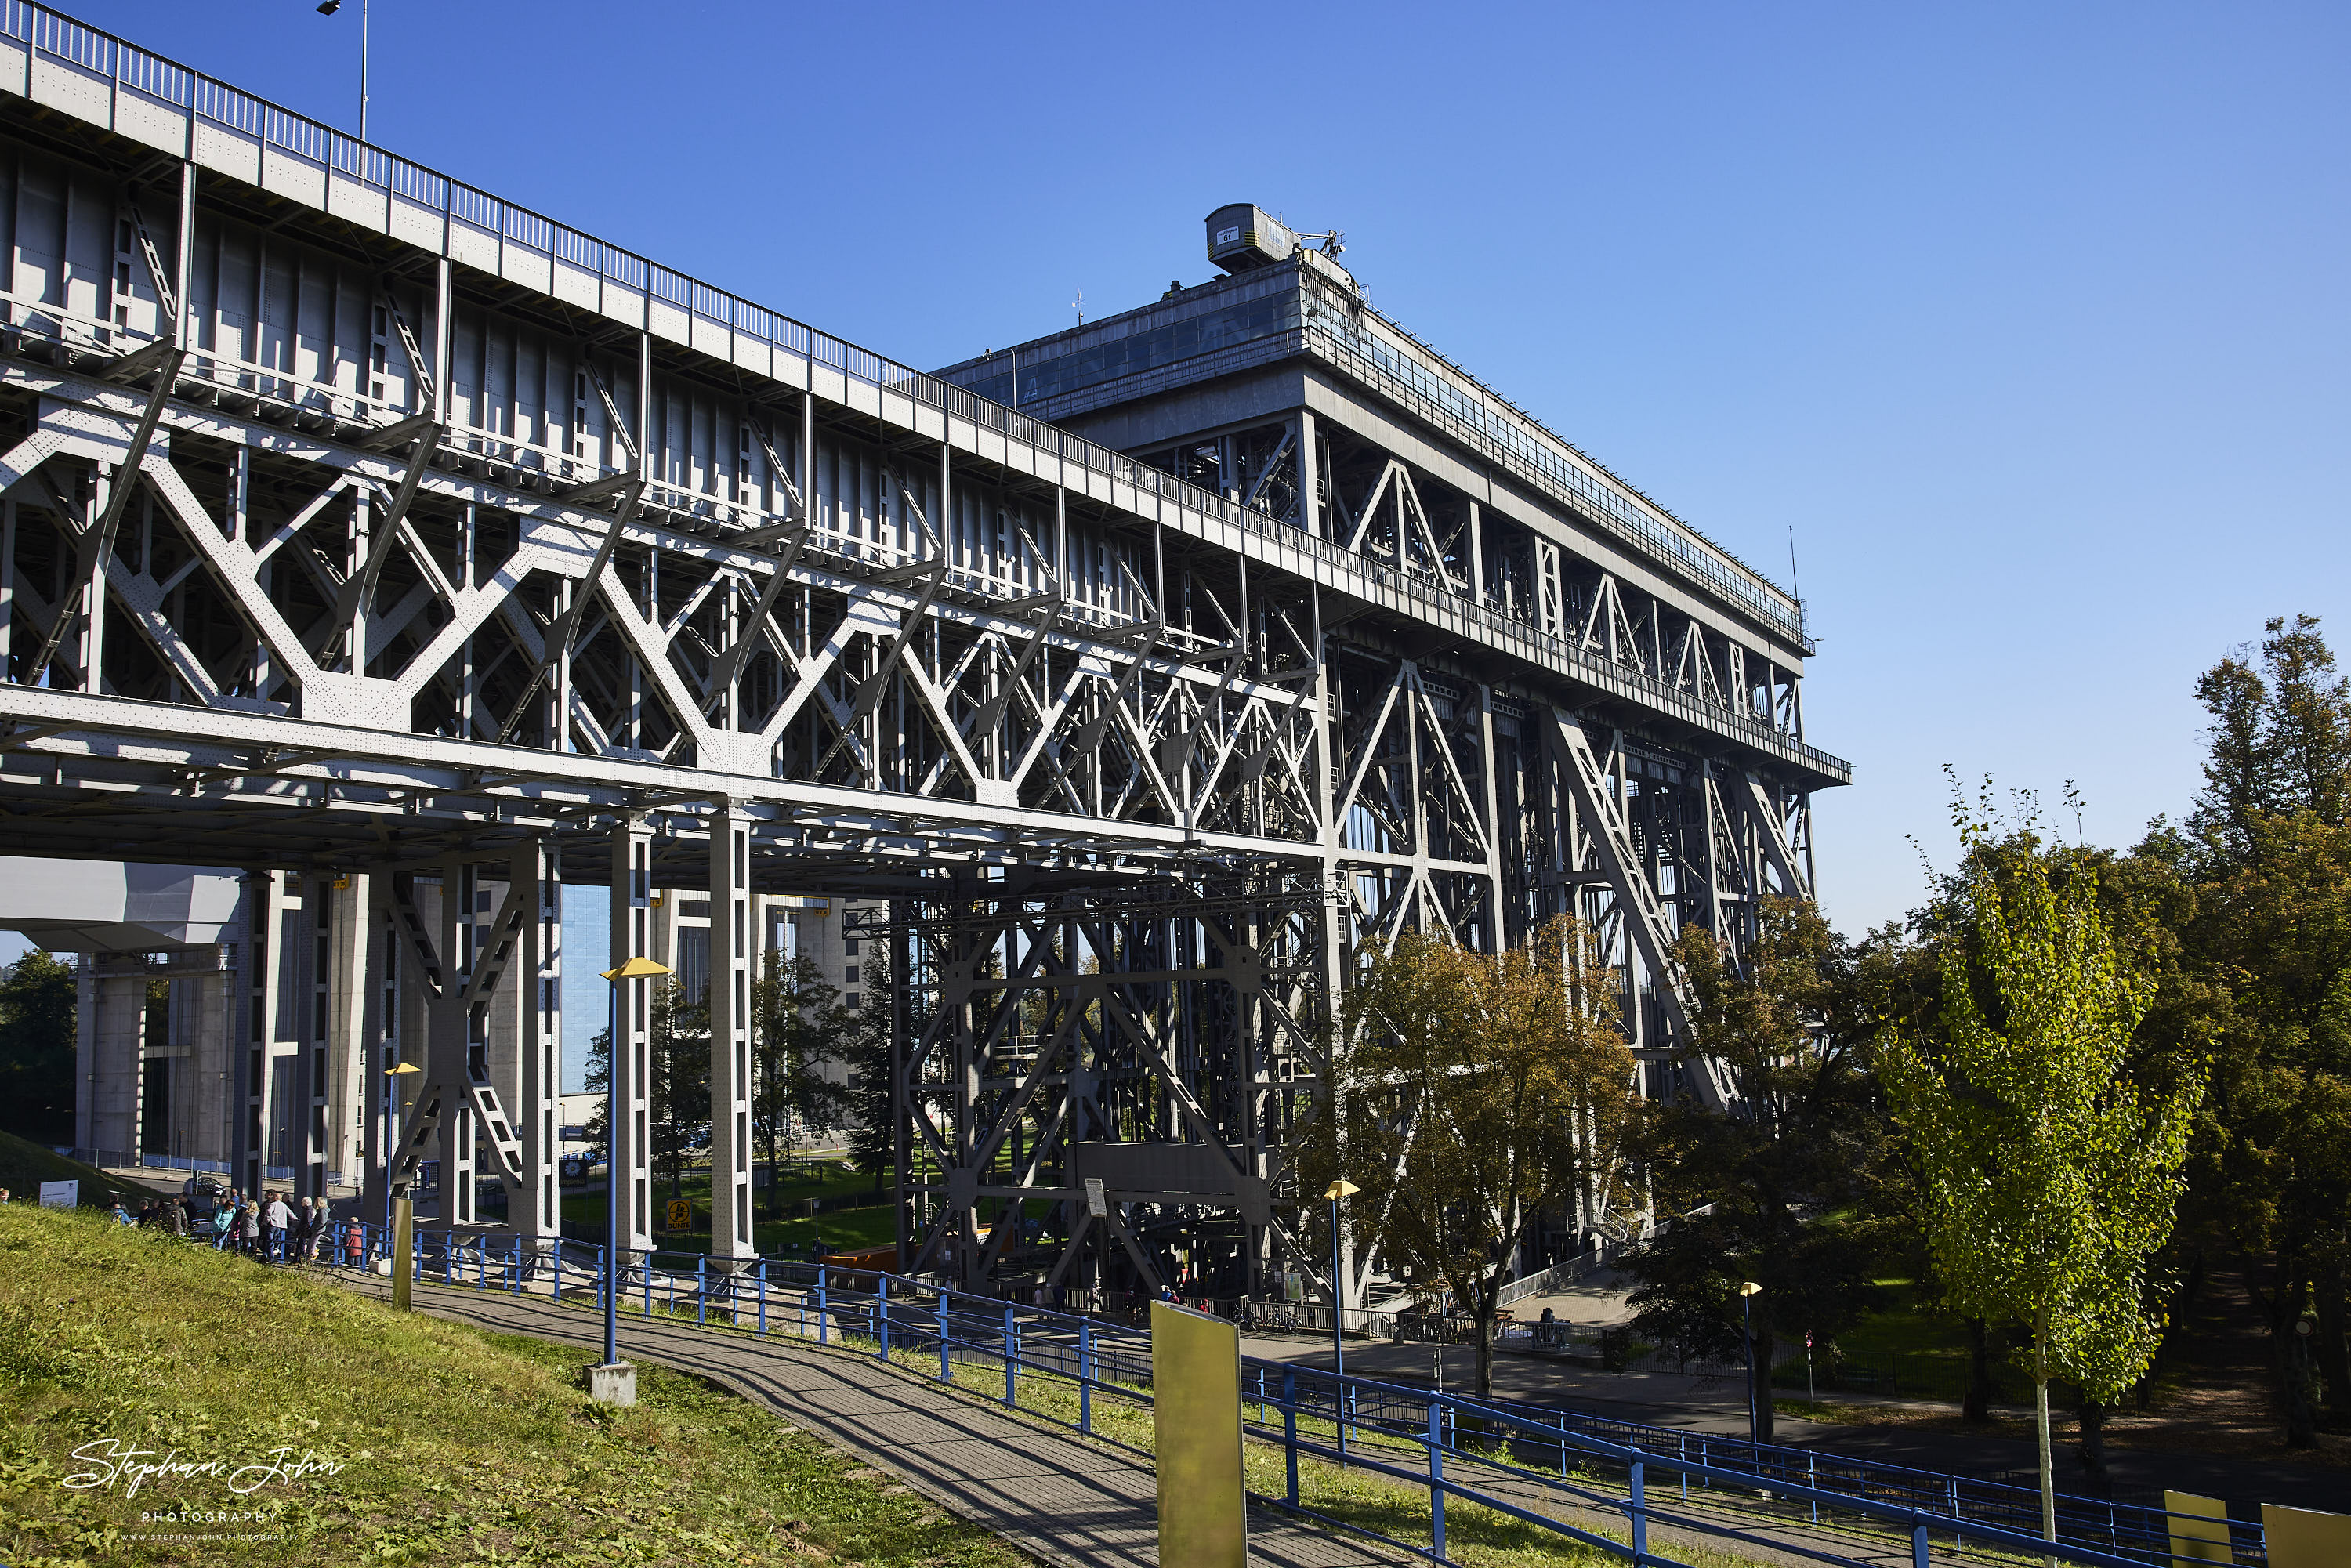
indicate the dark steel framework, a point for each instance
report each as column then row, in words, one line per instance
column 364, row 530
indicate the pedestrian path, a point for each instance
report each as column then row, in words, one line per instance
column 1050, row 1492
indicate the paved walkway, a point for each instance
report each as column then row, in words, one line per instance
column 1717, row 1405
column 1046, row 1489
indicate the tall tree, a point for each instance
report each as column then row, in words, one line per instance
column 869, row 1107
column 2051, row 1177
column 36, row 1048
column 799, row 1031
column 1781, row 1191
column 678, row 1098
column 1472, row 1094
column 2268, row 852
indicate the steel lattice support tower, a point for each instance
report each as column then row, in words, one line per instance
column 401, row 545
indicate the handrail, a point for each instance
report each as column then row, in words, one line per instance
column 878, row 1310
column 95, row 51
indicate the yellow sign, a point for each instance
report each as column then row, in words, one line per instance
column 2304, row 1538
column 681, row 1214
column 2200, row 1528
column 1196, row 1389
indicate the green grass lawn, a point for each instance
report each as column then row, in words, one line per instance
column 24, row 1165
column 1925, row 1350
column 848, row 1230
column 446, row 1445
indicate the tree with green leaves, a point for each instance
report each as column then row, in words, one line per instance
column 799, row 1029
column 1784, row 1190
column 864, row 1051
column 36, row 1048
column 2268, row 853
column 2050, row 1177
column 1472, row 1094
column 678, row 1098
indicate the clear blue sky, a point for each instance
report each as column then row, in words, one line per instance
column 2031, row 320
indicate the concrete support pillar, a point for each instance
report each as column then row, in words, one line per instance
column 276, row 904
column 351, row 1030
column 632, row 1044
column 731, row 1033
column 1310, row 475
column 382, row 1011
column 539, row 993
column 454, row 1037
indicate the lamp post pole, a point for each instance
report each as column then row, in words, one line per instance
column 1334, row 1192
column 637, row 969
column 399, row 1227
column 1746, row 1293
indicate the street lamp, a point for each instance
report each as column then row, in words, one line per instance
column 637, row 969
column 1747, row 1291
column 327, row 8
column 398, row 1218
column 1338, row 1189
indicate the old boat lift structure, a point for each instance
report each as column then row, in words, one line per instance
column 425, row 557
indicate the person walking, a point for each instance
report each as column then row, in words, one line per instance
column 224, row 1226
column 248, row 1227
column 315, row 1241
column 276, row 1220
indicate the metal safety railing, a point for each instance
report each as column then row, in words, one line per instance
column 1527, row 1463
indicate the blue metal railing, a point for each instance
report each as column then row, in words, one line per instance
column 1509, row 1456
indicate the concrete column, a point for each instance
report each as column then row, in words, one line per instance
column 731, row 1033
column 1310, row 475
column 350, row 1029
column 539, row 990
column 277, row 908
column 631, row 1043
column 453, row 1038
column 377, row 1041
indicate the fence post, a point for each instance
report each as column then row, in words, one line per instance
column 1436, row 1479
column 1290, row 1429
column 1640, row 1498
column 1085, row 1375
column 1011, row 1349
column 649, row 1285
column 946, row 1367
column 823, row 1320
column 881, row 1317
column 701, row 1287
column 1684, row 1455
column 1918, row 1543
column 762, row 1285
column 1812, row 1484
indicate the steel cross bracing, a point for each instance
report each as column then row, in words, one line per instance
column 336, row 541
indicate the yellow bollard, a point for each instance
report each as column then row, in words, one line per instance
column 403, row 1229
column 1196, row 1390
column 2305, row 1538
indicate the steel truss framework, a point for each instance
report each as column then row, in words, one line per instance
column 335, row 546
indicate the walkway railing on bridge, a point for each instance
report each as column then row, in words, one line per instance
column 1513, row 1458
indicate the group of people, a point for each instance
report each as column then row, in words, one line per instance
column 264, row 1226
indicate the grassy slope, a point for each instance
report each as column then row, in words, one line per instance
column 845, row 1230
column 26, row 1164
column 458, row 1446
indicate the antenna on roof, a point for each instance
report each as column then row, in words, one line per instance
column 1795, row 584
column 1078, row 305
